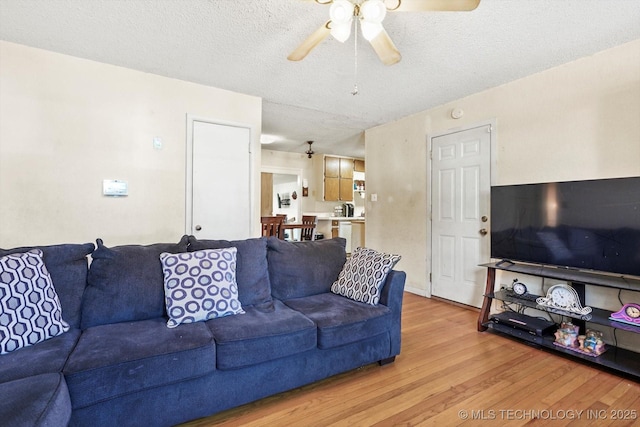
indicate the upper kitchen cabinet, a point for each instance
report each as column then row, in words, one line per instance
column 338, row 179
column 358, row 165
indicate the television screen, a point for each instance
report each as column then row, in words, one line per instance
column 591, row 225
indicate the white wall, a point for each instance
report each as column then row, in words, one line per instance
column 67, row 123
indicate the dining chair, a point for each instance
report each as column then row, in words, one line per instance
column 309, row 233
column 284, row 221
column 272, row 226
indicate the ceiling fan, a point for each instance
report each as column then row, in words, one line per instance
column 369, row 14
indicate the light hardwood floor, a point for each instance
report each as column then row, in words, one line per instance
column 448, row 374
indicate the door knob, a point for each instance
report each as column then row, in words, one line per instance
column 198, row 228
column 484, row 218
column 483, row 231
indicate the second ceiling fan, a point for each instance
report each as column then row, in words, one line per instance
column 369, row 14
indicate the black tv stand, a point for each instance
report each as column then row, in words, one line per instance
column 619, row 360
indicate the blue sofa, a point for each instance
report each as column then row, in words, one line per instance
column 119, row 364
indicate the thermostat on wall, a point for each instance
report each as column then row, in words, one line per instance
column 115, row 188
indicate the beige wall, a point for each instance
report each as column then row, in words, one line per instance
column 67, row 123
column 577, row 121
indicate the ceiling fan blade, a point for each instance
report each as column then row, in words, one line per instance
column 384, row 47
column 432, row 5
column 312, row 41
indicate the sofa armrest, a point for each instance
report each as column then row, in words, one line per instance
column 391, row 296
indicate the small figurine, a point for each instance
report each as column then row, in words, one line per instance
column 592, row 342
column 567, row 335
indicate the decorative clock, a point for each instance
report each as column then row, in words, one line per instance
column 629, row 313
column 519, row 288
column 563, row 297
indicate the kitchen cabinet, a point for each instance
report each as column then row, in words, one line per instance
column 338, row 179
column 335, row 224
column 358, row 165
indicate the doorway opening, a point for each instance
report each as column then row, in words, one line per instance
column 281, row 192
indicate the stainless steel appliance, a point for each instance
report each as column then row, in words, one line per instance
column 347, row 209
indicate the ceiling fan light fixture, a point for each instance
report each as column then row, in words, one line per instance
column 370, row 29
column 341, row 12
column 373, row 11
column 341, row 32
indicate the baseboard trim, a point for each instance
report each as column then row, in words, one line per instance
column 455, row 303
column 417, row 291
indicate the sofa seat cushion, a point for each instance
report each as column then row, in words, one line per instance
column 43, row 358
column 260, row 335
column 40, row 400
column 122, row 358
column 341, row 320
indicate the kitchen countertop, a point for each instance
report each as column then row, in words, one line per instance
column 340, row 218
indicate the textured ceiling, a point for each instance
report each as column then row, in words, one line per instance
column 242, row 45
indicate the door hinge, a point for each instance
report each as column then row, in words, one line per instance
column 430, row 279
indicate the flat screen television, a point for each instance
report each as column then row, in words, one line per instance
column 586, row 225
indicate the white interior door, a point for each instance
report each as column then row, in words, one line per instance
column 460, row 189
column 218, row 181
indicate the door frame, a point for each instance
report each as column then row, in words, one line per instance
column 493, row 173
column 190, row 119
column 288, row 171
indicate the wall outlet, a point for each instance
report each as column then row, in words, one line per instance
column 374, row 197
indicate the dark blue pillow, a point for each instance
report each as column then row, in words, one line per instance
column 300, row 269
column 252, row 274
column 125, row 283
column 67, row 264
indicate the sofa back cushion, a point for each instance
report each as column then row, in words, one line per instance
column 300, row 269
column 252, row 274
column 67, row 264
column 125, row 283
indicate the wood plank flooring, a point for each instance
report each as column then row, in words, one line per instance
column 448, row 374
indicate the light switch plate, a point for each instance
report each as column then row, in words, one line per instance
column 115, row 188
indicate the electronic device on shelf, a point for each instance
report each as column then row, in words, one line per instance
column 589, row 225
column 532, row 325
column 563, row 297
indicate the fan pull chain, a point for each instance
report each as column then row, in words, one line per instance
column 355, row 70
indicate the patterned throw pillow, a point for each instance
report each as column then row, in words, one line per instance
column 363, row 275
column 200, row 285
column 30, row 310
